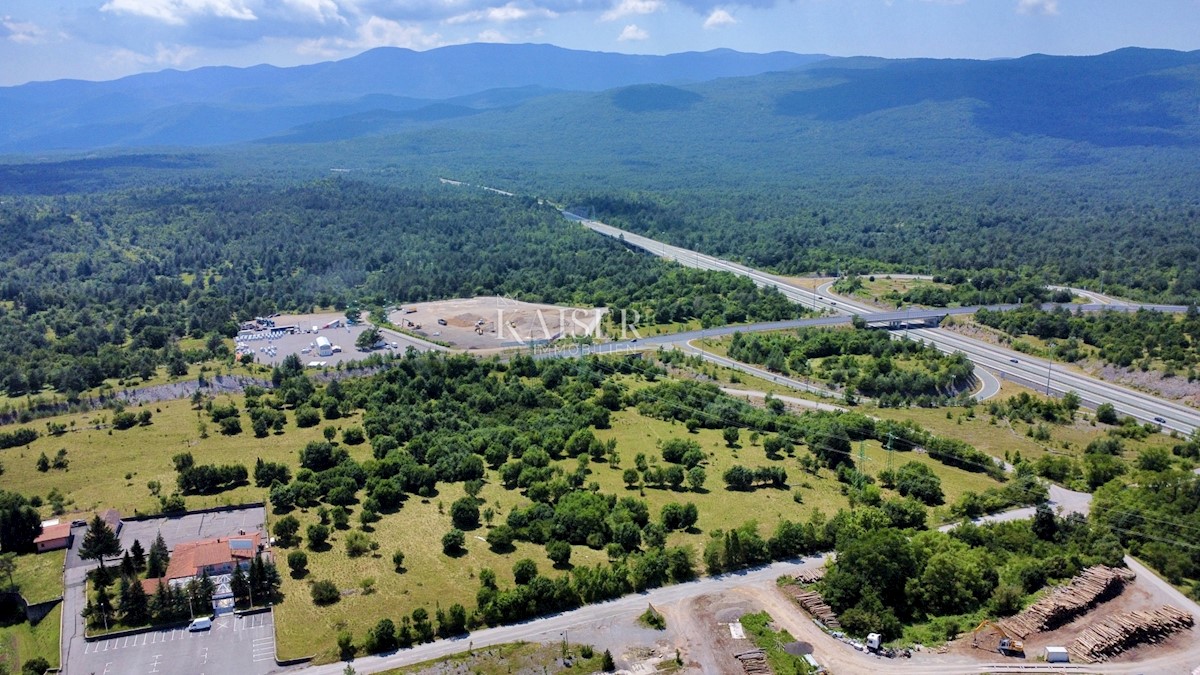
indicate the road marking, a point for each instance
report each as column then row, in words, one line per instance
column 156, row 658
column 107, row 667
column 221, row 624
column 204, row 655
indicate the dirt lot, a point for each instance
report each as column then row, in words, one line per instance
column 701, row 631
column 1136, row 595
column 493, row 323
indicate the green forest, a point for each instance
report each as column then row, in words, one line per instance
column 1145, row 338
column 865, row 361
column 103, row 286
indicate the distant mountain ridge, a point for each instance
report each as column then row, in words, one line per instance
column 531, row 103
column 216, row 105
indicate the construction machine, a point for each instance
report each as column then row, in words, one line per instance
column 1009, row 646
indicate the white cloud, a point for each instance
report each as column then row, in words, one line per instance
column 492, row 35
column 632, row 33
column 719, row 18
column 374, row 32
column 21, row 32
column 1037, row 6
column 177, row 12
column 506, row 14
column 164, row 55
column 322, row 11
column 632, row 7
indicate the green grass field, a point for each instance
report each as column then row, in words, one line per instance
column 39, row 575
column 24, row 641
column 112, row 468
column 100, row 462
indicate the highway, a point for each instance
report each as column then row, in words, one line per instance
column 1038, row 374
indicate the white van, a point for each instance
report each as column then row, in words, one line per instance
column 201, row 623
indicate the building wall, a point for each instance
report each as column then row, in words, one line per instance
column 53, row 544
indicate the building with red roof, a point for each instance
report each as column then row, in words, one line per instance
column 55, row 535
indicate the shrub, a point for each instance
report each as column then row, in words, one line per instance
column 357, row 544
column 524, row 571
column 452, row 541
column 36, row 666
column 324, row 592
column 317, row 536
column 500, row 538
column 353, row 435
column 465, row 513
column 398, row 561
column 298, row 562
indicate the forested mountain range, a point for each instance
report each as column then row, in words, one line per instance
column 1077, row 170
column 217, row 105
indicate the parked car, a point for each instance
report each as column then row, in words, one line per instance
column 199, row 624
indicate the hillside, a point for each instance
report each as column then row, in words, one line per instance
column 218, row 105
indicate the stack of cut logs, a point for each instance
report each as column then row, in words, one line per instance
column 806, row 577
column 814, row 604
column 1127, row 630
column 1064, row 603
column 754, row 662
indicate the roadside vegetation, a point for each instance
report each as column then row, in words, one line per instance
column 1146, row 339
column 862, row 361
column 957, row 288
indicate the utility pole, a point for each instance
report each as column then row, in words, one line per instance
column 889, row 451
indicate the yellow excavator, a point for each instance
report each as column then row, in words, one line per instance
column 1008, row 646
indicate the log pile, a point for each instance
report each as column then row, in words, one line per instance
column 806, row 577
column 1091, row 587
column 814, row 604
column 754, row 662
column 1127, row 630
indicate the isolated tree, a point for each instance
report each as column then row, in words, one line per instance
column 100, row 542
column 8, row 565
column 452, row 541
column 1106, row 413
column 730, row 434
column 285, row 530
column 368, row 338
column 524, row 571
column 297, row 562
column 696, row 477
column 318, row 534
column 559, row 552
column 464, row 513
column 139, row 555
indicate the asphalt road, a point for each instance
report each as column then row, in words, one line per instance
column 1036, row 373
column 551, row 628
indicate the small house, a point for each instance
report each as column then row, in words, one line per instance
column 55, row 535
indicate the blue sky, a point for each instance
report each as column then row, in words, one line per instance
column 103, row 39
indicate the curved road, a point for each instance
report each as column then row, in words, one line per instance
column 1035, row 373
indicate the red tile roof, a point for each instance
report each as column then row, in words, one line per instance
column 52, row 532
column 189, row 558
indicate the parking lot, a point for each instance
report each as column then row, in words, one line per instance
column 272, row 349
column 233, row 645
column 195, row 526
